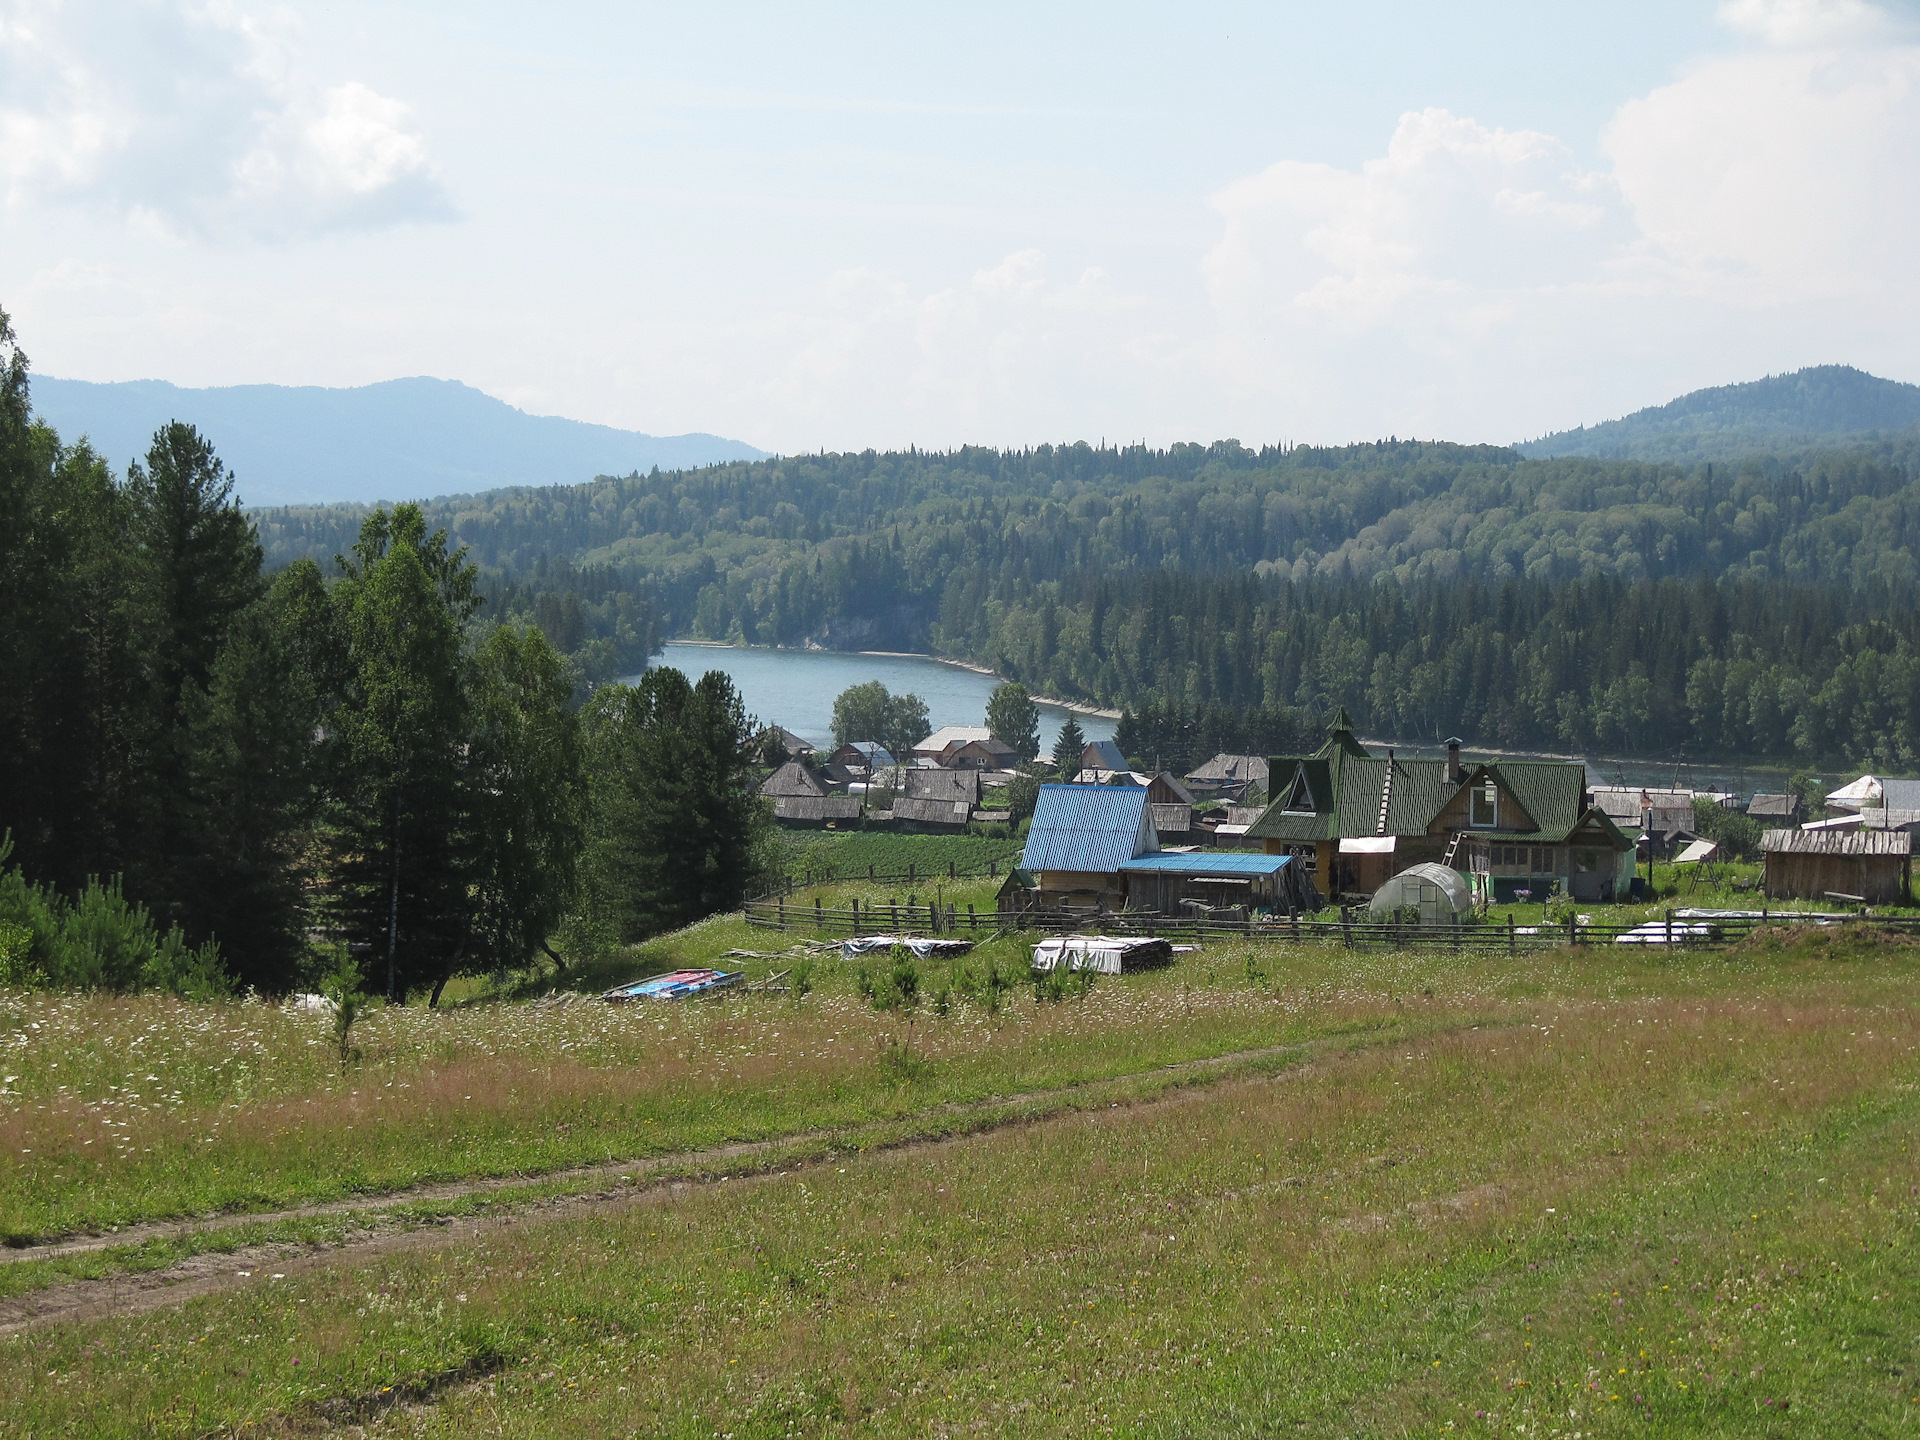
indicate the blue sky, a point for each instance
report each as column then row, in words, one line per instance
column 842, row 226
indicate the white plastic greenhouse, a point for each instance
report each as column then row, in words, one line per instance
column 1436, row 894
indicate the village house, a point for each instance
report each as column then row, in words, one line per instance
column 1102, row 756
column 1172, row 805
column 936, row 800
column 792, row 745
column 856, row 762
column 1778, row 810
column 1093, row 847
column 988, row 754
column 1228, row 777
column 948, row 737
column 802, row 798
column 1356, row 819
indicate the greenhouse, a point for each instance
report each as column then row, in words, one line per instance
column 1430, row 894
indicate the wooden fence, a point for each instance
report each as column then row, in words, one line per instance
column 912, row 875
column 1487, row 934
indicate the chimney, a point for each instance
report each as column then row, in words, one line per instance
column 1454, row 772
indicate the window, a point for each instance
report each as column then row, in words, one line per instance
column 1485, row 806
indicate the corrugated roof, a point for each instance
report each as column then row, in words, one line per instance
column 1205, row 863
column 1764, row 804
column 1093, row 828
column 1900, row 794
column 1836, row 842
column 1553, row 792
column 950, row 735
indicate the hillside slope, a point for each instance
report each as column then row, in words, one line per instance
column 1822, row 405
column 400, row 439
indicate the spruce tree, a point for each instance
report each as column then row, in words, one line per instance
column 1067, row 748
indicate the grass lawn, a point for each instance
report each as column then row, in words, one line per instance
column 1592, row 1192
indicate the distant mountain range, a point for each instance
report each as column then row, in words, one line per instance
column 1821, row 406
column 397, row 440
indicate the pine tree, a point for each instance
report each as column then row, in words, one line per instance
column 1068, row 747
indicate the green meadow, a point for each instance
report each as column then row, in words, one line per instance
column 1593, row 1192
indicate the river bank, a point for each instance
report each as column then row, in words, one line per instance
column 796, row 688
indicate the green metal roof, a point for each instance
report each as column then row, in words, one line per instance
column 1553, row 792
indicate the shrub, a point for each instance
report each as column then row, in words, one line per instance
column 97, row 941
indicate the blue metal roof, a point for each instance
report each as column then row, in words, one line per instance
column 1201, row 863
column 1092, row 828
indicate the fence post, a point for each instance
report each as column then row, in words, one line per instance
column 911, row 877
column 1513, row 941
column 783, row 912
column 1293, row 913
column 992, row 871
column 869, row 872
column 1573, row 935
column 818, row 920
column 1669, row 931
column 973, row 920
column 1346, row 928
column 856, row 915
column 951, row 874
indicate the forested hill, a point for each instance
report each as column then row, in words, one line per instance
column 397, row 440
column 1765, row 609
column 1404, row 510
column 1825, row 405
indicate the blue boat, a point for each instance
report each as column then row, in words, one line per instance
column 677, row 986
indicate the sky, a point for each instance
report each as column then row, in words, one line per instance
column 842, row 226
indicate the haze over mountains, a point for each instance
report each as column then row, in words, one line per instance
column 1823, row 405
column 396, row 440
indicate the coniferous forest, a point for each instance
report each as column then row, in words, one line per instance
column 217, row 775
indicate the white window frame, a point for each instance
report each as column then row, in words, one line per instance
column 1489, row 793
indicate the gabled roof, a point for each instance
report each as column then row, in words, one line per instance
column 1231, row 769
column 1167, row 790
column 946, row 735
column 1171, row 819
column 816, row 807
column 929, row 811
column 792, row 779
column 1854, row 843
column 1783, row 807
column 943, row 785
column 1093, row 828
column 1102, row 755
column 1553, row 792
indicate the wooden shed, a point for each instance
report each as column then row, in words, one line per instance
column 1875, row 866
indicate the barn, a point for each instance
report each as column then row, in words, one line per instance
column 1872, row 866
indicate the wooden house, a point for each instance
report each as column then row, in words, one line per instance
column 1872, row 866
column 811, row 811
column 936, row 800
column 948, row 737
column 791, row 781
column 1172, row 806
column 1777, row 810
column 1102, row 755
column 984, row 754
column 795, row 746
column 1355, row 819
column 1228, row 776
column 1094, row 847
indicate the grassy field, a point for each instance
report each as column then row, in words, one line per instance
column 1594, row 1193
column 887, row 852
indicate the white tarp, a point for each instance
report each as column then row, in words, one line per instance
column 1368, row 845
column 1695, row 852
column 1838, row 822
column 1104, row 954
column 1862, row 793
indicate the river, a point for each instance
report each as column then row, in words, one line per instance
column 797, row 688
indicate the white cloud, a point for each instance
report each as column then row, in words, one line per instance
column 194, row 118
column 1756, row 213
